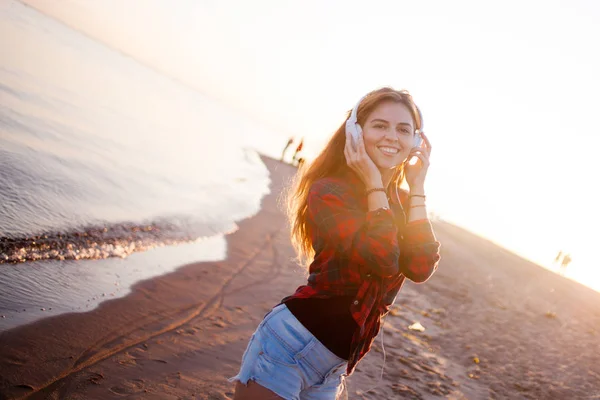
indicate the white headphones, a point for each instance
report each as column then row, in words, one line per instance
column 354, row 129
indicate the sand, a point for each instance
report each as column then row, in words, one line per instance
column 495, row 327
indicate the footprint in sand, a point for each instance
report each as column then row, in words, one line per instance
column 21, row 390
column 439, row 388
column 128, row 362
column 186, row 331
column 127, row 359
column 128, row 388
column 401, row 389
column 404, row 374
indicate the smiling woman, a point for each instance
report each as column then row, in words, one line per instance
column 362, row 237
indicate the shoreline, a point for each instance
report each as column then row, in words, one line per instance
column 92, row 282
column 495, row 326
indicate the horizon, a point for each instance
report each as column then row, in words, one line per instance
column 486, row 66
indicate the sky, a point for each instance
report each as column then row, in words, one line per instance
column 508, row 90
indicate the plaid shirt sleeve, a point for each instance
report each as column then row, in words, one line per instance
column 420, row 255
column 366, row 238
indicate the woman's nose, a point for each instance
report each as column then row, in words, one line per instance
column 391, row 135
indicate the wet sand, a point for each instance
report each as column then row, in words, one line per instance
column 495, row 327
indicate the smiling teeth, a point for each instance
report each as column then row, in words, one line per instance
column 389, row 150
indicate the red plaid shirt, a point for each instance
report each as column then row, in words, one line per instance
column 365, row 254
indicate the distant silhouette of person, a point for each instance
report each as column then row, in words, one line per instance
column 289, row 143
column 295, row 159
column 558, row 256
column 566, row 260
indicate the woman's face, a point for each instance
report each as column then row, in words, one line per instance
column 389, row 134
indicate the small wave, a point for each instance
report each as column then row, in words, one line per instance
column 94, row 242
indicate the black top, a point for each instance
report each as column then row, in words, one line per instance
column 329, row 320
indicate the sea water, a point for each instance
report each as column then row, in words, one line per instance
column 109, row 171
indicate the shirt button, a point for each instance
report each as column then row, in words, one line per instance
column 368, row 275
column 355, row 302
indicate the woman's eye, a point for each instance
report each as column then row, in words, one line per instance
column 379, row 126
column 405, row 131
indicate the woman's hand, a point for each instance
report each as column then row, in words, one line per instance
column 415, row 173
column 360, row 162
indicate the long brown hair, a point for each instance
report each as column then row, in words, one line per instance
column 331, row 161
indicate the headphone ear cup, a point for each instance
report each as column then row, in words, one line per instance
column 353, row 130
column 418, row 139
column 350, row 129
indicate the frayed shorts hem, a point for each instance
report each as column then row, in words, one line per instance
column 244, row 381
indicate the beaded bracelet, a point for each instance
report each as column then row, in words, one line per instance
column 418, row 195
column 375, row 190
column 417, row 205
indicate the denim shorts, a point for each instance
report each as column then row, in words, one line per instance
column 284, row 357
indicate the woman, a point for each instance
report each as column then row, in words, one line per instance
column 362, row 236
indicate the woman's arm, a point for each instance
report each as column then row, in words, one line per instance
column 416, row 205
column 420, row 249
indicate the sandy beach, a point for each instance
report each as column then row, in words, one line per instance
column 496, row 326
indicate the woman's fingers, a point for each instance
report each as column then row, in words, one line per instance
column 349, row 152
column 362, row 156
column 427, row 142
column 424, row 159
column 359, row 151
column 347, row 141
column 361, row 145
column 346, row 154
column 348, row 147
column 416, row 151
